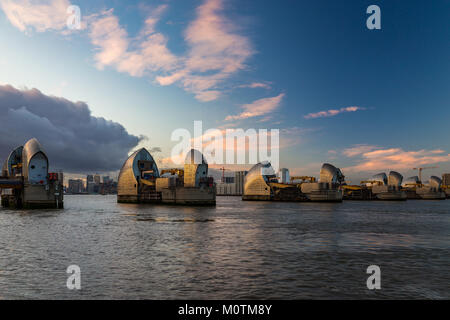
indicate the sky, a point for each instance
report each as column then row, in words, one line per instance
column 364, row 100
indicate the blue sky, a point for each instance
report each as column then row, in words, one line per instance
column 315, row 56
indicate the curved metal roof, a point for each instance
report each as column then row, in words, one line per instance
column 194, row 157
column 331, row 174
column 14, row 158
column 435, row 182
column 130, row 170
column 257, row 178
column 381, row 177
column 30, row 149
column 395, row 178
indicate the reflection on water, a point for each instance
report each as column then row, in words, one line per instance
column 237, row 250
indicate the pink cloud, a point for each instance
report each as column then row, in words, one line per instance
column 149, row 53
column 396, row 159
column 332, row 112
column 254, row 85
column 358, row 149
column 258, row 108
column 39, row 15
column 216, row 52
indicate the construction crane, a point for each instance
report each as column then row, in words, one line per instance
column 223, row 174
column 423, row 168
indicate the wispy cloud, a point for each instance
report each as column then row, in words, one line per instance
column 258, row 108
column 358, row 150
column 254, row 85
column 332, row 112
column 216, row 48
column 37, row 15
column 375, row 159
column 148, row 52
column 216, row 51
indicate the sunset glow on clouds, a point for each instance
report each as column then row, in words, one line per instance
column 372, row 158
column 37, row 15
column 216, row 51
column 332, row 112
column 258, row 108
column 155, row 66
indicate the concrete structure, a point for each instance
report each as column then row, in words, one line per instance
column 233, row 188
column 26, row 182
column 140, row 181
column 415, row 189
column 380, row 187
column 389, row 188
column 261, row 183
column 327, row 189
column 446, row 184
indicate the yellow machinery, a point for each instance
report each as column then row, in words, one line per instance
column 179, row 172
column 304, row 178
column 373, row 182
column 352, row 188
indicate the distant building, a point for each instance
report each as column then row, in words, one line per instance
column 239, row 177
column 446, row 179
column 229, row 179
column 106, row 179
column 233, row 186
column 90, row 183
column 97, row 179
column 75, row 186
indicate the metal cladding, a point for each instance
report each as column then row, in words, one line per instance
column 395, row 179
column 195, row 168
column 331, row 174
column 14, row 159
column 26, row 171
column 257, row 179
column 435, row 182
column 195, row 157
column 131, row 173
column 34, row 163
column 381, row 177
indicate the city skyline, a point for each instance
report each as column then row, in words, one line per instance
column 365, row 100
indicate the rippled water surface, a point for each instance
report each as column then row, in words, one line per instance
column 237, row 250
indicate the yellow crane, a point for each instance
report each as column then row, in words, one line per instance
column 423, row 168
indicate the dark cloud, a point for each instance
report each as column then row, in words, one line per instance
column 74, row 140
column 155, row 150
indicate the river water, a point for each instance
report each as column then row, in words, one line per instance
column 236, row 250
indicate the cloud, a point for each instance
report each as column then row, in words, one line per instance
column 254, row 85
column 215, row 50
column 258, row 108
column 155, row 150
column 148, row 52
column 332, row 112
column 40, row 15
column 377, row 159
column 358, row 150
column 74, row 140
